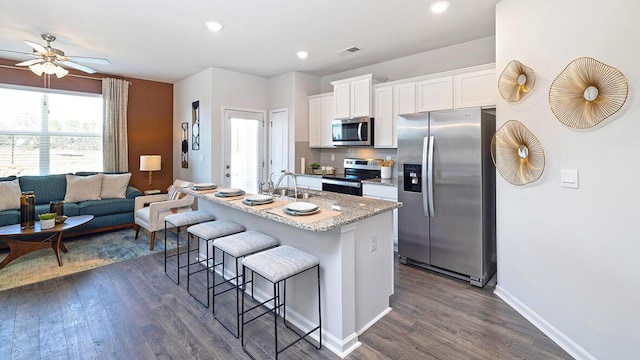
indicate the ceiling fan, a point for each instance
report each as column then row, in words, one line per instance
column 49, row 60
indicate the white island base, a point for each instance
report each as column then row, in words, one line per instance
column 356, row 270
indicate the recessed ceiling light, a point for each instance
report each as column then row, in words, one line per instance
column 302, row 54
column 214, row 26
column 439, row 6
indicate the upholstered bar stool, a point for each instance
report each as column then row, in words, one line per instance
column 208, row 231
column 177, row 221
column 238, row 246
column 276, row 266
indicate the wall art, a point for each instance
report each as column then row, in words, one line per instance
column 586, row 92
column 195, row 125
column 516, row 81
column 185, row 145
column 517, row 153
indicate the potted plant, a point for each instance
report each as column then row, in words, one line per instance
column 315, row 166
column 47, row 220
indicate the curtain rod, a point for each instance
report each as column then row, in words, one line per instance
column 73, row 75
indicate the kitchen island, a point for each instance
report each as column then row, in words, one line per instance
column 353, row 241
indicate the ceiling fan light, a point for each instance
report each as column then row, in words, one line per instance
column 49, row 68
column 61, row 72
column 36, row 69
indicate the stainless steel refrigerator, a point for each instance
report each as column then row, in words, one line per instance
column 447, row 187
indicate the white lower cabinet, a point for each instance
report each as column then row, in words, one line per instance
column 384, row 192
column 309, row 182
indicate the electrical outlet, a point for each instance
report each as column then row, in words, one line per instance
column 373, row 244
column 333, row 157
column 388, row 157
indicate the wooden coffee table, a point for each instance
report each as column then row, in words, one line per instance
column 22, row 242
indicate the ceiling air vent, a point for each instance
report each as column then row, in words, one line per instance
column 349, row 50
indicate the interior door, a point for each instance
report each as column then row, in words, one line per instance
column 278, row 142
column 244, row 154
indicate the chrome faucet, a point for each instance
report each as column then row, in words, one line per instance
column 269, row 184
column 295, row 183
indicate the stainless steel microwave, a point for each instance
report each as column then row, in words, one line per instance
column 352, row 131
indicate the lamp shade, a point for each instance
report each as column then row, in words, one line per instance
column 150, row 162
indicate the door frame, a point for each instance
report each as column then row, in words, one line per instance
column 285, row 141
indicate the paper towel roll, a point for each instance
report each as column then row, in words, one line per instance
column 302, row 165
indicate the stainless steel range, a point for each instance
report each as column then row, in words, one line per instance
column 355, row 170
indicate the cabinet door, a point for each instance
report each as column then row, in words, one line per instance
column 476, row 88
column 435, row 94
column 384, row 124
column 315, row 122
column 309, row 182
column 327, row 119
column 404, row 98
column 341, row 94
column 361, row 98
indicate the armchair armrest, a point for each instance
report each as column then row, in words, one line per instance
column 141, row 201
column 156, row 207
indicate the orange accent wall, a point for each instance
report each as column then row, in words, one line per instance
column 149, row 116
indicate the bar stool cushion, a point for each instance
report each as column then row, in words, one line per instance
column 280, row 263
column 245, row 243
column 188, row 218
column 215, row 229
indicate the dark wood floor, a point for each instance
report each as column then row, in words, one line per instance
column 131, row 310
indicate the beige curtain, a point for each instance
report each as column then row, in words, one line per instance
column 115, row 95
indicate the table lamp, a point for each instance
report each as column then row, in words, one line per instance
column 150, row 163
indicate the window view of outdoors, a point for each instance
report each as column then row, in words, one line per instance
column 49, row 133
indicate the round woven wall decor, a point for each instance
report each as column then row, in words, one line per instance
column 517, row 153
column 586, row 92
column 516, row 81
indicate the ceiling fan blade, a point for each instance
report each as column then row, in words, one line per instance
column 19, row 52
column 90, row 60
column 30, row 62
column 76, row 66
column 36, row 47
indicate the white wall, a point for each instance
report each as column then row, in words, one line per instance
column 214, row 88
column 470, row 53
column 567, row 258
column 194, row 88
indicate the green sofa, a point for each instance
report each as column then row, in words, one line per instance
column 109, row 214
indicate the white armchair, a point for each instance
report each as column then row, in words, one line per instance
column 150, row 210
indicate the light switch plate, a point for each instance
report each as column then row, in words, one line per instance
column 569, row 178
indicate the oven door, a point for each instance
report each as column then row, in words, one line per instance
column 342, row 186
column 352, row 132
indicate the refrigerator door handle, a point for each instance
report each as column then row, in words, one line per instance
column 432, row 141
column 423, row 176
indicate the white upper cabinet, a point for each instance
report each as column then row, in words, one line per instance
column 320, row 117
column 477, row 88
column 384, row 122
column 434, row 94
column 389, row 102
column 353, row 96
column 404, row 98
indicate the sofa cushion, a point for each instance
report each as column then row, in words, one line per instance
column 105, row 207
column 8, row 178
column 115, row 186
column 71, row 209
column 10, row 195
column 47, row 187
column 9, row 217
column 83, row 188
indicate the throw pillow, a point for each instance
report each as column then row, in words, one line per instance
column 115, row 186
column 10, row 195
column 82, row 188
column 174, row 193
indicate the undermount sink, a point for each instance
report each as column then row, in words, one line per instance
column 291, row 193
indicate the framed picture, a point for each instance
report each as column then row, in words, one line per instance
column 195, row 125
column 185, row 145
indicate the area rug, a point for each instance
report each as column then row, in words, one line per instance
column 85, row 252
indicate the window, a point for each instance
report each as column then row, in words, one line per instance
column 46, row 132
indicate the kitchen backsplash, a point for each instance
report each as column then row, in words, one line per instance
column 324, row 156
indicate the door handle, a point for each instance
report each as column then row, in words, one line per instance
column 227, row 175
column 423, row 176
column 432, row 141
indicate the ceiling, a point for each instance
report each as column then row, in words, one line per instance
column 167, row 40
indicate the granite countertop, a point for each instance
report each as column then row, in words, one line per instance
column 352, row 208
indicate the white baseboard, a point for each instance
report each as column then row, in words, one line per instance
column 543, row 325
column 374, row 320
